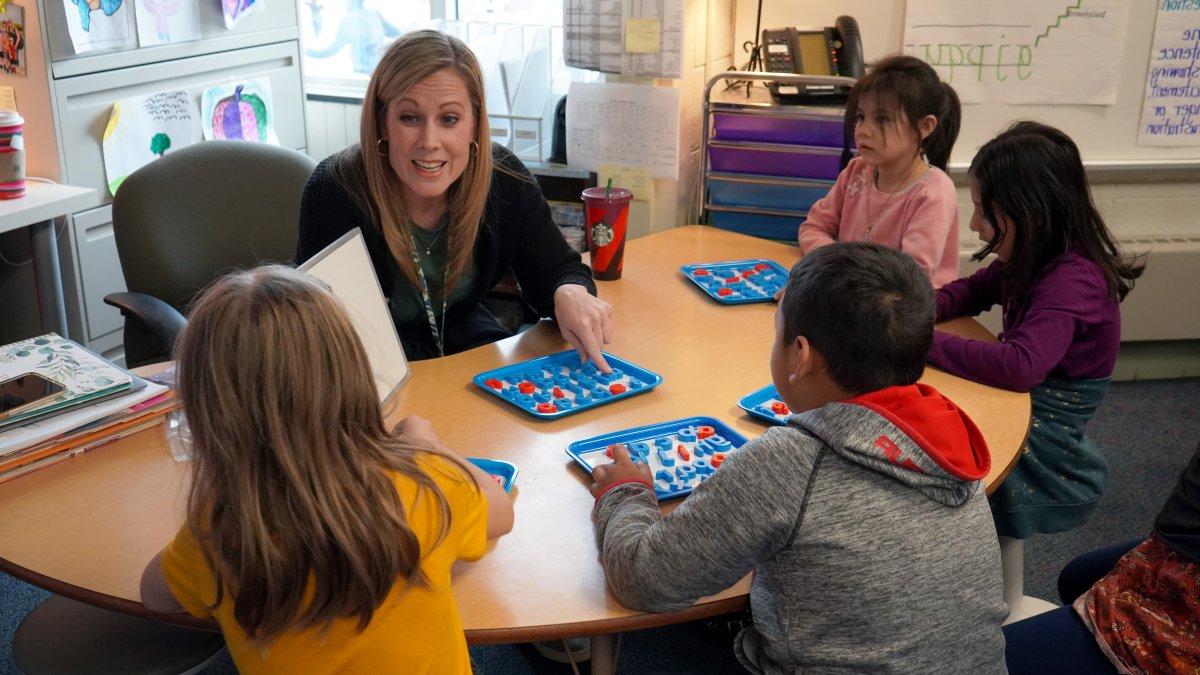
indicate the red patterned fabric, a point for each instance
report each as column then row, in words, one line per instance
column 1146, row 611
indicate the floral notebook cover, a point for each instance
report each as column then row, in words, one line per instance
column 85, row 375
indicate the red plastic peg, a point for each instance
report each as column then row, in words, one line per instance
column 700, row 273
column 547, row 407
column 558, row 392
column 494, row 384
column 617, row 388
column 746, row 274
column 724, row 291
column 526, row 388
column 733, row 280
column 762, row 266
column 683, row 453
column 779, row 408
column 705, row 432
column 717, row 459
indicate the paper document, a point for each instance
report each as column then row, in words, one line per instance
column 239, row 111
column 163, row 21
column 100, row 24
column 1021, row 51
column 144, row 128
column 1171, row 104
column 596, row 36
column 345, row 266
column 629, row 124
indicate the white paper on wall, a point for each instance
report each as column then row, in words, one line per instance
column 630, row 124
column 1171, row 103
column 1021, row 51
column 144, row 128
column 163, row 21
column 594, row 33
column 239, row 111
column 100, row 25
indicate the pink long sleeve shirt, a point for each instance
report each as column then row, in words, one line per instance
column 920, row 219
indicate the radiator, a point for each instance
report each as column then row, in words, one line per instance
column 1164, row 303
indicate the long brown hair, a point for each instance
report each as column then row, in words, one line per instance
column 368, row 177
column 292, row 464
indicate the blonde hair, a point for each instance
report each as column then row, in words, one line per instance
column 413, row 57
column 292, row 464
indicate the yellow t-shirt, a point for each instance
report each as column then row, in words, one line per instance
column 417, row 628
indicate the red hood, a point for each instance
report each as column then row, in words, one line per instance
column 934, row 422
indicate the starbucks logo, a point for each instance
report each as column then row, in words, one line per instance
column 602, row 234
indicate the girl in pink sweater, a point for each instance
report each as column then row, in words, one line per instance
column 896, row 192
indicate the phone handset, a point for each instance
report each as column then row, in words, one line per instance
column 849, row 52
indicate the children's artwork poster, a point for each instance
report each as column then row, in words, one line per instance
column 1022, row 51
column 12, row 40
column 100, row 25
column 1171, row 103
column 234, row 10
column 144, row 128
column 163, row 21
column 239, row 111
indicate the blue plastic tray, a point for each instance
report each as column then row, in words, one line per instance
column 505, row 471
column 651, row 444
column 757, row 280
column 759, row 403
column 582, row 387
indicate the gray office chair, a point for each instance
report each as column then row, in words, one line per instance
column 65, row 637
column 191, row 216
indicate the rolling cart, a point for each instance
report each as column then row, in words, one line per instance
column 764, row 164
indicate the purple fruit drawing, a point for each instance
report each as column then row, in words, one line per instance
column 240, row 117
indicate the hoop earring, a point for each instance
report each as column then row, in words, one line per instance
column 474, row 148
column 379, row 149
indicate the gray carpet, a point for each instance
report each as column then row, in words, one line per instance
column 1148, row 430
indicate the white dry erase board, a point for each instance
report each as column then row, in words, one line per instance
column 1107, row 135
column 345, row 266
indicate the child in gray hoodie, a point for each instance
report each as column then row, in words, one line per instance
column 864, row 520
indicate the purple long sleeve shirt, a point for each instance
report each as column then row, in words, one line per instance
column 1071, row 328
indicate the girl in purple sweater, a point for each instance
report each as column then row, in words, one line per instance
column 1059, row 277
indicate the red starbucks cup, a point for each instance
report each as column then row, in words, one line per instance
column 606, row 219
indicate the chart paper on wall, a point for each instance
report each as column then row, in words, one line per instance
column 1171, row 104
column 596, row 33
column 1022, row 51
column 631, row 124
column 345, row 267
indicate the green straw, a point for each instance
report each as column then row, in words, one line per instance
column 608, row 189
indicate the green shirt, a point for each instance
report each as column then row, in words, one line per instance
column 406, row 304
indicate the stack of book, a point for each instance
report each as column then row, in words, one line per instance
column 62, row 400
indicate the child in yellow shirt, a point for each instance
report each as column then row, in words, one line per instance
column 320, row 541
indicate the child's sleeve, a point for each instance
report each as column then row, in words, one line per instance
column 188, row 575
column 742, row 515
column 934, row 215
column 825, row 217
column 970, row 296
column 1031, row 349
column 468, row 508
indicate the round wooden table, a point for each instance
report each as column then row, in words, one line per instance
column 85, row 528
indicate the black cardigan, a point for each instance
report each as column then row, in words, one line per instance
column 517, row 233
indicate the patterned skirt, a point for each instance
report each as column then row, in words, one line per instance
column 1145, row 613
column 1060, row 475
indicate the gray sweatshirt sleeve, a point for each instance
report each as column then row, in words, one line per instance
column 742, row 515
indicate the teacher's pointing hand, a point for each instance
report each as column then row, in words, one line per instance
column 586, row 322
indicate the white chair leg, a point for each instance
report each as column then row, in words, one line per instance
column 1012, row 562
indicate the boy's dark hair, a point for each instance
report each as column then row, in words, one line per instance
column 1033, row 174
column 914, row 86
column 868, row 309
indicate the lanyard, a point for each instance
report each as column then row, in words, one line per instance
column 425, row 296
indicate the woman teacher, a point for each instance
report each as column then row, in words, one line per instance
column 444, row 213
